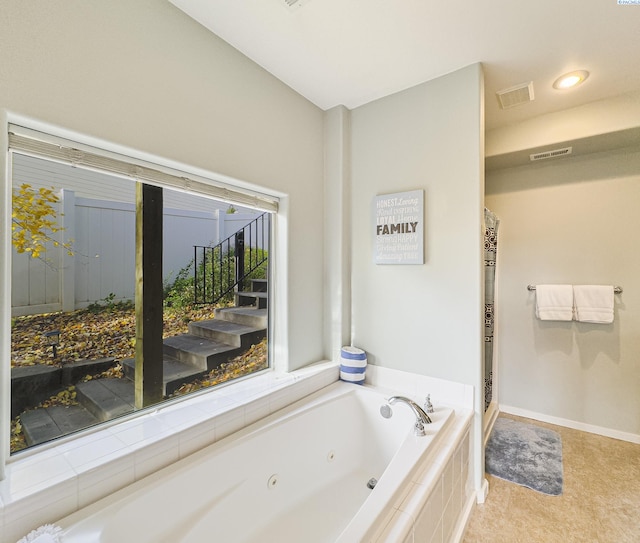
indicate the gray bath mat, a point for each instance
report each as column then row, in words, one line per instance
column 525, row 454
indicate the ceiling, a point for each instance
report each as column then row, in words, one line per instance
column 350, row 52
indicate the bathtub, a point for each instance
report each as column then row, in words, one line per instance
column 301, row 474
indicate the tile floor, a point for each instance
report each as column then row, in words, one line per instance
column 600, row 502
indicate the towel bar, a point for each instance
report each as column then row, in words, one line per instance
column 617, row 290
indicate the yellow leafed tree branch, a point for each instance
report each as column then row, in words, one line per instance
column 33, row 220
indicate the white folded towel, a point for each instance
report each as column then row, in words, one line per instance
column 45, row 534
column 594, row 303
column 554, row 302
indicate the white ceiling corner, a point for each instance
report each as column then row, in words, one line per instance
column 350, row 52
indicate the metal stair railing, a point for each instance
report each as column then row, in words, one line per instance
column 224, row 268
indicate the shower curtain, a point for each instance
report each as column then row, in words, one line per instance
column 490, row 253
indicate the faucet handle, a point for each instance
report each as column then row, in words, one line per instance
column 428, row 406
column 419, row 428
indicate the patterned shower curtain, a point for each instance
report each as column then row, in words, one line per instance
column 490, row 253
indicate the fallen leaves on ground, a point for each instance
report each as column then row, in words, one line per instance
column 65, row 397
column 17, row 437
column 89, row 335
column 115, row 372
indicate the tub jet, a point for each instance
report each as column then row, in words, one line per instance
column 372, row 483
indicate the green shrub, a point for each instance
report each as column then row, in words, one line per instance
column 109, row 304
column 179, row 293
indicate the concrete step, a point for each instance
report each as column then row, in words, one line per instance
column 175, row 373
column 31, row 385
column 231, row 333
column 202, row 353
column 256, row 299
column 106, row 399
column 259, row 285
column 42, row 425
column 249, row 316
column 72, row 372
column 178, row 373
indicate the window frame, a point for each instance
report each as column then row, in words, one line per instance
column 189, row 179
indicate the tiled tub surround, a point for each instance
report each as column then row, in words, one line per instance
column 299, row 475
column 436, row 505
column 48, row 483
column 46, row 486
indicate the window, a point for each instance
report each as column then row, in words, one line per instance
column 131, row 284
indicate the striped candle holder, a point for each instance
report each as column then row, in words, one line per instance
column 353, row 365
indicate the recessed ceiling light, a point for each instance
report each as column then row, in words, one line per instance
column 570, row 80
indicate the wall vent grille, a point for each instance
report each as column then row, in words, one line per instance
column 515, row 96
column 551, row 154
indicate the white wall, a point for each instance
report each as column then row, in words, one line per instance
column 422, row 318
column 425, row 319
column 337, row 227
column 594, row 119
column 572, row 220
column 143, row 75
column 569, row 220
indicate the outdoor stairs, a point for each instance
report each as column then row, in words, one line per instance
column 187, row 357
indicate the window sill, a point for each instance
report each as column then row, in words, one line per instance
column 51, row 483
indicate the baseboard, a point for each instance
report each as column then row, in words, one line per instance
column 489, row 420
column 481, row 495
column 591, row 428
column 463, row 519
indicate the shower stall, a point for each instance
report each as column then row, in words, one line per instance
column 491, row 223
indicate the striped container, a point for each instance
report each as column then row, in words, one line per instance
column 353, row 365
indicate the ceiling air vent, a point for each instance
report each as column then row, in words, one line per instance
column 515, row 96
column 293, row 5
column 551, row 154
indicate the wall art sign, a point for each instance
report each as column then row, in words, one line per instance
column 398, row 228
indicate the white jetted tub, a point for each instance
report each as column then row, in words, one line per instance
column 298, row 475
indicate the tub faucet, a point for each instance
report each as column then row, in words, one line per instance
column 421, row 417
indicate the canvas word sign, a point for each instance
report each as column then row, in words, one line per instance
column 399, row 228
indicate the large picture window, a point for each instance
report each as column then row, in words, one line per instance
column 130, row 285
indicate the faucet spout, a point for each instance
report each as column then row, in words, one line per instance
column 421, row 416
